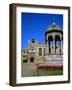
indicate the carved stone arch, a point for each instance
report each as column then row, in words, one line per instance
column 57, row 38
column 50, row 38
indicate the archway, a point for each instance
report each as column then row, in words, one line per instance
column 32, row 59
column 62, row 39
column 50, row 40
column 57, row 44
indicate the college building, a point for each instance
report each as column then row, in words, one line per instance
column 50, row 52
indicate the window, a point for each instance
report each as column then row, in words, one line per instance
column 24, row 56
column 24, row 51
column 32, row 49
column 44, row 51
column 33, row 40
column 40, row 51
column 27, row 51
column 25, row 61
column 52, row 47
column 31, row 59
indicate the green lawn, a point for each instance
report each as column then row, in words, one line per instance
column 45, row 72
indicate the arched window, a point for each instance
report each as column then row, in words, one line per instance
column 40, row 51
column 25, row 61
column 32, row 59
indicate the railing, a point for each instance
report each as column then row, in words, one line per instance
column 54, row 62
column 54, row 57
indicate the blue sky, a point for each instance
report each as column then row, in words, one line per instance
column 34, row 25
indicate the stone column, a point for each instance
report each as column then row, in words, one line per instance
column 54, row 44
column 61, row 47
column 47, row 49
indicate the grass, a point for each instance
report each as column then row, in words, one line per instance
column 45, row 72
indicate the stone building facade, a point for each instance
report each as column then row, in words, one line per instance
column 50, row 52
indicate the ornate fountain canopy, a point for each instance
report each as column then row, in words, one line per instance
column 54, row 26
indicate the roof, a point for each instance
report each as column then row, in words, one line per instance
column 54, row 26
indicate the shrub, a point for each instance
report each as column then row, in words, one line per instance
column 50, row 67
